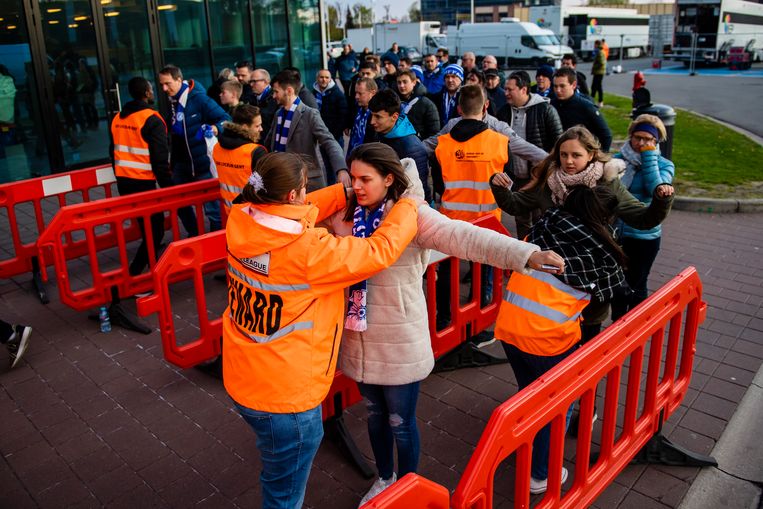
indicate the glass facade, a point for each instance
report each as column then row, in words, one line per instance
column 71, row 69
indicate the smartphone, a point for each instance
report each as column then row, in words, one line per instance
column 546, row 266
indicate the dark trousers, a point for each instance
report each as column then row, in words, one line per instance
column 443, row 290
column 641, row 254
column 596, row 86
column 528, row 368
column 6, row 331
column 127, row 186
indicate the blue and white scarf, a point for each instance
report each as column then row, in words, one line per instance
column 448, row 104
column 362, row 227
column 178, row 103
column 263, row 94
column 282, row 128
column 359, row 128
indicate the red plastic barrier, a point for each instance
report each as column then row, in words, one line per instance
column 112, row 213
column 676, row 309
column 61, row 186
column 470, row 314
column 425, row 493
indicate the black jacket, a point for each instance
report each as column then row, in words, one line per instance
column 576, row 110
column 437, row 99
column 423, row 115
column 307, row 97
column 268, row 107
column 154, row 132
column 497, row 97
column 583, row 83
column 542, row 124
column 333, row 110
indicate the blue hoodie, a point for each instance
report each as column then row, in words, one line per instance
column 403, row 140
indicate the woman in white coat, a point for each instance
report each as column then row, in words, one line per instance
column 386, row 346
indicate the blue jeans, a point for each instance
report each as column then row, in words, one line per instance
column 528, row 368
column 187, row 215
column 392, row 417
column 287, row 444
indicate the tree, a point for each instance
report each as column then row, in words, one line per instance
column 335, row 26
column 364, row 15
column 350, row 23
column 414, row 11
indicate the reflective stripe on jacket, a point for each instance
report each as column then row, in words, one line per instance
column 131, row 154
column 233, row 169
column 285, row 314
column 540, row 314
column 466, row 170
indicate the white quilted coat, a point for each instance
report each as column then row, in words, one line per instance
column 396, row 348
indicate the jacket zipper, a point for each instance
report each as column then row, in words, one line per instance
column 333, row 347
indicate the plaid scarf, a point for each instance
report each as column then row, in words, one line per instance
column 284, row 123
column 362, row 227
column 359, row 128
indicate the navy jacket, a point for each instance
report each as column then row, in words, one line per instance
column 333, row 109
column 189, row 151
column 576, row 110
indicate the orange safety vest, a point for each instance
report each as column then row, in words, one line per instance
column 283, row 324
column 233, row 169
column 131, row 155
column 466, row 170
column 540, row 314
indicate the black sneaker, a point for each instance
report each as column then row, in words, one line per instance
column 18, row 343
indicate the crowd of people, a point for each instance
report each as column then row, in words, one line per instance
column 336, row 193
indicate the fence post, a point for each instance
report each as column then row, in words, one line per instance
column 621, row 52
column 693, row 54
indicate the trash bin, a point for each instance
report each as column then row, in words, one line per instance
column 668, row 116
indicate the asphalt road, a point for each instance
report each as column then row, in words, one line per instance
column 733, row 98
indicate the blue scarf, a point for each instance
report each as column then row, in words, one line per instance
column 263, row 94
column 448, row 104
column 359, row 128
column 178, row 103
column 362, row 227
column 284, row 123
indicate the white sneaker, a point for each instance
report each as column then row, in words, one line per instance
column 539, row 486
column 378, row 486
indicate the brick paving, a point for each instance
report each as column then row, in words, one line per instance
column 91, row 419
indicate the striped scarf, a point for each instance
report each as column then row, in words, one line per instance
column 359, row 128
column 449, row 104
column 282, row 128
column 364, row 223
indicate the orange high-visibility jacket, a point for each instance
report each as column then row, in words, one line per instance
column 233, row 169
column 286, row 305
column 131, row 155
column 466, row 170
column 540, row 314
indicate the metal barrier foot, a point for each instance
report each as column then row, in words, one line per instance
column 466, row 355
column 661, row 450
column 335, row 430
column 125, row 319
column 39, row 286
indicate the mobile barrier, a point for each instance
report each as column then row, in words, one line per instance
column 44, row 193
column 666, row 323
column 98, row 223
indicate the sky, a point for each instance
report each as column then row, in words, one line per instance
column 397, row 7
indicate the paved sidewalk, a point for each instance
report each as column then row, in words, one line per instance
column 92, row 419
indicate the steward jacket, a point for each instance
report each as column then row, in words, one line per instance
column 467, row 158
column 577, row 110
column 235, row 157
column 189, row 150
column 285, row 314
column 139, row 146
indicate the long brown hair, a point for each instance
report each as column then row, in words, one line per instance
column 281, row 172
column 595, row 207
column 385, row 162
column 543, row 170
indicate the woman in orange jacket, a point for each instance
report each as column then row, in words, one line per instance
column 285, row 313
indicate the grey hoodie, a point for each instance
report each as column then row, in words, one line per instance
column 517, row 122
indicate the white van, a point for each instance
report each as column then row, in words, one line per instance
column 511, row 41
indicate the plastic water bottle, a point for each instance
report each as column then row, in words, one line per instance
column 208, row 132
column 103, row 317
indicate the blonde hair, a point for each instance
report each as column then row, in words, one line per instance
column 652, row 120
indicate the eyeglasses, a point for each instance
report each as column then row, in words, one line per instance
column 255, row 81
column 647, row 140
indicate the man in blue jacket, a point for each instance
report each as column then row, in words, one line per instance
column 395, row 130
column 191, row 109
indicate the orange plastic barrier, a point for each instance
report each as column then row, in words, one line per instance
column 91, row 218
column 673, row 313
column 425, row 493
column 64, row 187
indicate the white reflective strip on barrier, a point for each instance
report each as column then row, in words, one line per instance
column 105, row 176
column 57, row 185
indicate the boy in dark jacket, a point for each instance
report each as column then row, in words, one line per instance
column 421, row 112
